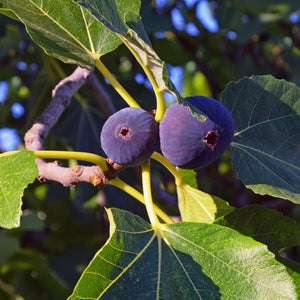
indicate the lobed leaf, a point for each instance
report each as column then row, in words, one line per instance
column 63, row 29
column 265, row 148
column 181, row 261
column 16, row 172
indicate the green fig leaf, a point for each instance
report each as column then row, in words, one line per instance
column 270, row 227
column 265, row 148
column 189, row 177
column 123, row 18
column 198, row 206
column 17, row 171
column 181, row 261
column 264, row 225
column 84, row 119
column 63, row 29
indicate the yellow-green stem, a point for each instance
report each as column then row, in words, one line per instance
column 117, row 182
column 160, row 103
column 160, row 106
column 84, row 156
column 146, row 180
column 169, row 166
column 116, row 85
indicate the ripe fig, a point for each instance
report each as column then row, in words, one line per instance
column 129, row 136
column 189, row 143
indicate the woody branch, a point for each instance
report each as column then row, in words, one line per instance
column 35, row 136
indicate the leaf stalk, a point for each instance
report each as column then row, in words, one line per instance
column 84, row 156
column 146, row 180
column 160, row 102
column 116, row 85
column 172, row 169
column 117, row 182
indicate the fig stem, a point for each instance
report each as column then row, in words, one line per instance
column 116, row 85
column 101, row 162
column 117, row 182
column 85, row 156
column 165, row 162
column 146, row 181
column 160, row 102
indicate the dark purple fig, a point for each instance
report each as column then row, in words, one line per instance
column 189, row 143
column 129, row 136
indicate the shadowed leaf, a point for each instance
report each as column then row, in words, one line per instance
column 266, row 145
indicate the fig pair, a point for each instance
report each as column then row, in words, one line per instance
column 131, row 135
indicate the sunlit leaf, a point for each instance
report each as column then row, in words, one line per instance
column 198, row 206
column 181, row 261
column 123, row 18
column 278, row 231
column 63, row 29
column 270, row 227
column 266, row 145
column 16, row 173
column 189, row 177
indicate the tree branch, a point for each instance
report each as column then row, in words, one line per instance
column 35, row 136
column 61, row 98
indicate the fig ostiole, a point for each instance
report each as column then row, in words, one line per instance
column 190, row 143
column 129, row 136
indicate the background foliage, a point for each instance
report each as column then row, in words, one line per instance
column 61, row 229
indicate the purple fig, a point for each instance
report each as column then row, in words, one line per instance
column 190, row 143
column 129, row 136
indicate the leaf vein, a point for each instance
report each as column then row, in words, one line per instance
column 217, row 258
column 264, row 122
column 130, row 264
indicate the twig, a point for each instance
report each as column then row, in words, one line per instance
column 35, row 136
column 61, row 98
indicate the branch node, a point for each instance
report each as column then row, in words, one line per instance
column 41, row 179
column 77, row 171
column 57, row 163
column 97, row 181
column 66, row 102
column 113, row 169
